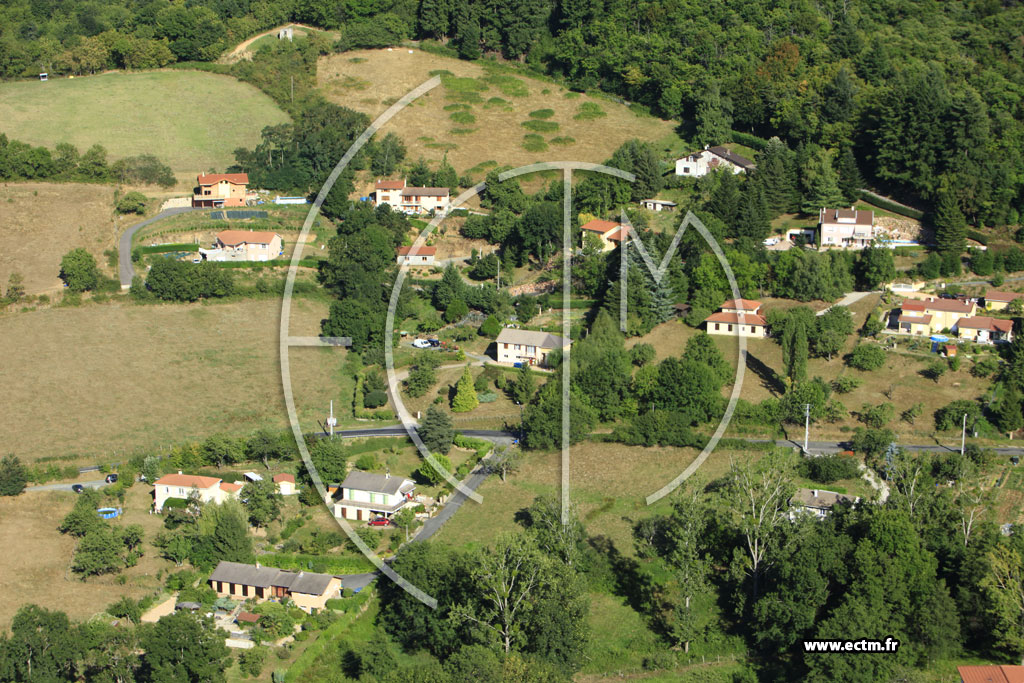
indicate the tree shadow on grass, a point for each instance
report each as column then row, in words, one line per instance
column 769, row 378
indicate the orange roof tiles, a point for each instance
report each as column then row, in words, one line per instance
column 214, row 178
column 232, row 238
column 187, row 480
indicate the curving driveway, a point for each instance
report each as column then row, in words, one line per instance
column 125, row 270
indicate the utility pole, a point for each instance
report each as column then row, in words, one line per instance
column 293, row 89
column 807, row 424
column 331, row 421
column 963, row 435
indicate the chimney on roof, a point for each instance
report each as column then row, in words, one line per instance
column 814, row 493
column 387, row 473
column 706, row 146
column 179, row 471
column 257, row 564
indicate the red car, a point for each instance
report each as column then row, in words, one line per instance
column 380, row 521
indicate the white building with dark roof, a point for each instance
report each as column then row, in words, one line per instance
column 713, row 159
column 817, row 502
column 366, row 495
column 528, row 346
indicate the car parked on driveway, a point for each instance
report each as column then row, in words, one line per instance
column 380, row 521
column 421, row 343
column 111, row 478
column 77, row 488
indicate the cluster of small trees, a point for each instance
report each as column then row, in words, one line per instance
column 173, row 280
column 102, row 548
column 21, row 161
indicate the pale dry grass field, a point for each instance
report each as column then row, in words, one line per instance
column 371, row 80
column 40, row 222
column 103, row 382
column 37, row 568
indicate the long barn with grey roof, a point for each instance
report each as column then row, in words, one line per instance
column 308, row 590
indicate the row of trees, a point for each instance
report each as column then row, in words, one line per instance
column 21, row 161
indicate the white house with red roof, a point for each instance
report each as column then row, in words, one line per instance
column 422, row 256
column 285, row 484
column 209, row 489
column 244, row 245
column 611, row 233
column 738, row 317
column 217, row 190
column 846, row 228
column 411, row 200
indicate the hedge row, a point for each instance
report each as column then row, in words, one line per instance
column 321, row 564
column 280, row 262
column 748, row 140
column 165, row 248
column 888, row 205
column 977, row 237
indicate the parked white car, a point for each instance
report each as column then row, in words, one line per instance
column 421, row 343
column 771, row 241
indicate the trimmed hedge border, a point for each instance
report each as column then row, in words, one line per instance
column 888, row 205
column 165, row 248
column 748, row 140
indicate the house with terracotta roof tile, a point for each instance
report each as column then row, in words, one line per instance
column 411, row 200
column 422, row 256
column 285, row 484
column 934, row 314
column 217, row 190
column 209, row 489
column 983, row 329
column 845, row 228
column 994, row 673
column 1000, row 301
column 244, row 245
column 610, row 233
column 740, row 317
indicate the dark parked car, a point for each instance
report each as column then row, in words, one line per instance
column 434, row 342
column 111, row 478
column 380, row 521
column 77, row 488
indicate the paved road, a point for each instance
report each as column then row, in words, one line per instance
column 847, row 300
column 67, row 487
column 124, row 246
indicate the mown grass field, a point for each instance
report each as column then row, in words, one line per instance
column 192, row 121
column 40, row 222
column 482, row 125
column 102, row 382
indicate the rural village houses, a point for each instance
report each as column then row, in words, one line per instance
column 365, row 495
column 712, row 159
column 528, row 346
column 727, row 320
column 218, row 190
column 845, row 228
column 611, row 233
column 244, row 245
column 209, row 489
column 307, row 590
column 411, row 200
column 925, row 317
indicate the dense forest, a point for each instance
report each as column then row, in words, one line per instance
column 927, row 95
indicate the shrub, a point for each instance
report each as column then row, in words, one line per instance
column 845, row 384
column 985, row 367
column 534, row 143
column 589, row 111
column 542, row 113
column 133, row 202
column 748, row 140
column 491, row 327
column 540, row 126
column 375, row 399
column 867, row 357
column 462, row 117
column 563, row 140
